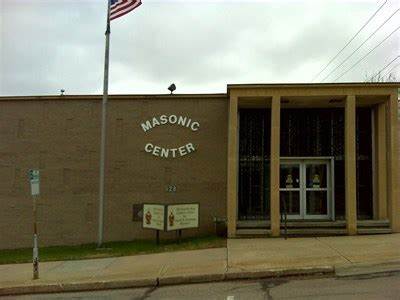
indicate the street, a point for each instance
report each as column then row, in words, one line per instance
column 360, row 287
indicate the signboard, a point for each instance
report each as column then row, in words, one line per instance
column 35, row 182
column 154, row 216
column 182, row 216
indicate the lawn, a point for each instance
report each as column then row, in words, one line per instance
column 111, row 249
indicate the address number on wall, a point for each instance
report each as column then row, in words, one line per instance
column 171, row 188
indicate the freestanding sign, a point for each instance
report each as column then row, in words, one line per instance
column 153, row 216
column 34, row 179
column 182, row 216
column 170, row 217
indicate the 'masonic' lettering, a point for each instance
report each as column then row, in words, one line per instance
column 146, row 126
column 171, row 119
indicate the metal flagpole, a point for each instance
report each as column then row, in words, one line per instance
column 103, row 130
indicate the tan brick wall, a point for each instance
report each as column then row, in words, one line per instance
column 61, row 138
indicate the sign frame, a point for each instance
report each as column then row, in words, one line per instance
column 158, row 204
column 180, row 229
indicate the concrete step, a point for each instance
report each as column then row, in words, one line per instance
column 253, row 232
column 314, row 231
column 291, row 232
column 291, row 224
column 314, row 224
column 263, row 224
column 313, row 228
column 373, row 223
column 374, row 230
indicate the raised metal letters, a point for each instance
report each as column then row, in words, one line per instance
column 170, row 120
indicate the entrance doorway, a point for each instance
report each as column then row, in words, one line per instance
column 306, row 136
column 306, row 188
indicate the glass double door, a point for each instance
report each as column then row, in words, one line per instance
column 306, row 188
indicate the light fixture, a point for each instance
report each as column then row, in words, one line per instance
column 172, row 88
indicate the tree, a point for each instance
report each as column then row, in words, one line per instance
column 378, row 77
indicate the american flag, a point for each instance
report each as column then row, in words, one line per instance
column 118, row 8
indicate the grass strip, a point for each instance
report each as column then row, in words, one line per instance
column 111, row 249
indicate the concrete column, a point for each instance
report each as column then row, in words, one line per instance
column 380, row 162
column 350, row 164
column 393, row 194
column 274, row 164
column 232, row 166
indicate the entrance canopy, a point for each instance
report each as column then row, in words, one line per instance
column 323, row 151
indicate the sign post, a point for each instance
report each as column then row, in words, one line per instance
column 35, row 191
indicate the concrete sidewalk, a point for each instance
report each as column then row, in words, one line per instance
column 243, row 258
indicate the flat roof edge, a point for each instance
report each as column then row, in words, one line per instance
column 312, row 85
column 114, row 97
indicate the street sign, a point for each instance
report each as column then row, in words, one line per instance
column 34, row 179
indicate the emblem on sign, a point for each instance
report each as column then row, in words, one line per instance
column 171, row 219
column 148, row 218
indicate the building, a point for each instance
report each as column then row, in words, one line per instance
column 323, row 155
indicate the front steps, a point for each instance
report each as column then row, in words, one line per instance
column 373, row 227
column 312, row 228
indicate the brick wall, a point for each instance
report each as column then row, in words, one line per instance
column 61, row 138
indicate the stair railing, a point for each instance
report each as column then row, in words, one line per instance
column 284, row 217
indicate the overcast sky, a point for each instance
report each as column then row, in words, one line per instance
column 201, row 46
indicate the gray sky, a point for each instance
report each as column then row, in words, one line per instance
column 201, row 46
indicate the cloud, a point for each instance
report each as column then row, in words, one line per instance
column 201, row 46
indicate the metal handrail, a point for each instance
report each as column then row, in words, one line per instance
column 284, row 216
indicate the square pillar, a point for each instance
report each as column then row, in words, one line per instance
column 380, row 163
column 392, row 163
column 350, row 164
column 275, row 165
column 232, row 166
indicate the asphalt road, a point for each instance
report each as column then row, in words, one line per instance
column 361, row 287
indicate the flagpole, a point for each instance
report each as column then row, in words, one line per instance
column 103, row 130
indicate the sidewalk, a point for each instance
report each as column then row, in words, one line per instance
column 243, row 258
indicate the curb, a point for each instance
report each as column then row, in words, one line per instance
column 162, row 281
column 75, row 287
column 304, row 271
column 368, row 269
column 175, row 280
